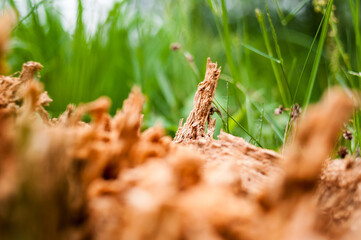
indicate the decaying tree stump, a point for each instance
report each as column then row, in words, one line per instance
column 62, row 178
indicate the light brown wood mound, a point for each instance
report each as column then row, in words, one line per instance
column 66, row 179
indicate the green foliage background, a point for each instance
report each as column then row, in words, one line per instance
column 286, row 57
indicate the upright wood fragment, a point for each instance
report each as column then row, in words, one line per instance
column 195, row 126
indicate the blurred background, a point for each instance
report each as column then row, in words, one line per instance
column 272, row 53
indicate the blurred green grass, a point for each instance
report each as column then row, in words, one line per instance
column 273, row 57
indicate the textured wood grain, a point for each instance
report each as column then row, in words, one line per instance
column 195, row 126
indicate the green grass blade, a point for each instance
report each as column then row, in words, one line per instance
column 274, row 35
column 227, row 108
column 12, row 3
column 225, row 37
column 255, row 50
column 316, row 62
column 292, row 69
column 279, row 55
column 228, row 43
column 261, row 127
column 357, row 126
column 165, row 87
column 306, row 61
column 218, row 105
column 355, row 12
column 279, row 11
column 270, row 120
column 33, row 9
column 284, row 92
column 294, row 12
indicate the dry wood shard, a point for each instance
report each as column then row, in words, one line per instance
column 195, row 126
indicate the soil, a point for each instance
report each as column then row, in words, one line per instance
column 62, row 178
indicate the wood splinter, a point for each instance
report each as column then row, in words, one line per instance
column 195, row 126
